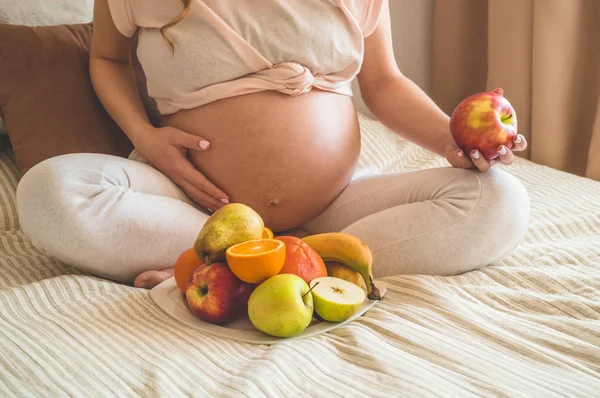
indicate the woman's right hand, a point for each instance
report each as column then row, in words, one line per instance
column 166, row 148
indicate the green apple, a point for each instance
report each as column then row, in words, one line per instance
column 281, row 306
column 336, row 299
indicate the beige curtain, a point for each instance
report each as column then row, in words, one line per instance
column 545, row 54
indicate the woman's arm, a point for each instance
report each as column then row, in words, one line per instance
column 398, row 102
column 403, row 107
column 113, row 76
column 114, row 81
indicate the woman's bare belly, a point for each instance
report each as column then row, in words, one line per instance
column 286, row 157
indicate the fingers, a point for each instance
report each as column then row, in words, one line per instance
column 479, row 161
column 459, row 160
column 200, row 197
column 189, row 141
column 200, row 182
column 519, row 143
column 506, row 156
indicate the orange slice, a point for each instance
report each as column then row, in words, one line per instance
column 256, row 260
column 267, row 233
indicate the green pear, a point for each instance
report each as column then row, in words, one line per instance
column 231, row 224
column 336, row 299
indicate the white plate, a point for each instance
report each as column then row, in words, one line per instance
column 170, row 299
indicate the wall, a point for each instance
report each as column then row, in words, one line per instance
column 412, row 31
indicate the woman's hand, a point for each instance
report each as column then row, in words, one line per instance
column 166, row 148
column 457, row 158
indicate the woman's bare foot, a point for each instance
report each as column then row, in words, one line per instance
column 149, row 279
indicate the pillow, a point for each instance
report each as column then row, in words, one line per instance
column 50, row 107
column 44, row 12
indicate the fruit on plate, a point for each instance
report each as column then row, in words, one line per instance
column 484, row 121
column 281, row 306
column 256, row 260
column 215, row 295
column 267, row 233
column 186, row 264
column 348, row 250
column 339, row 270
column 335, row 299
column 231, row 224
column 301, row 259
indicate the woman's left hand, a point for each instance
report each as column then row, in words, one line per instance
column 457, row 158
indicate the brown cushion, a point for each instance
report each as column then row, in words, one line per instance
column 50, row 107
column 2, row 129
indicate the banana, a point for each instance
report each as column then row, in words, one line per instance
column 348, row 250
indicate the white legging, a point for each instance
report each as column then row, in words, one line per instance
column 116, row 217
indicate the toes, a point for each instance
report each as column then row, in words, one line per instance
column 142, row 280
column 150, row 279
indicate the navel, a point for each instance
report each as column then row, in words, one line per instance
column 273, row 202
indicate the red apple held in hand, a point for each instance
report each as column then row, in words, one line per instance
column 484, row 121
column 215, row 295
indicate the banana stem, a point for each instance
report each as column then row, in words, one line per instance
column 374, row 294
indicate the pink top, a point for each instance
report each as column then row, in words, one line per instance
column 225, row 48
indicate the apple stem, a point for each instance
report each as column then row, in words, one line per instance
column 206, row 260
column 310, row 290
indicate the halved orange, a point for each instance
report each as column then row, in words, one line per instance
column 267, row 233
column 256, row 260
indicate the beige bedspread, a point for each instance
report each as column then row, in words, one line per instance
column 527, row 327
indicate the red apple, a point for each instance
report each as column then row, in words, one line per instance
column 484, row 121
column 215, row 295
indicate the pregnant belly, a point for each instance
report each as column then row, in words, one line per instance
column 286, row 157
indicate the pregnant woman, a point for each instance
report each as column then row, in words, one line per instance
column 256, row 108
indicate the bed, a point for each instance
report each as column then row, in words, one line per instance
column 529, row 326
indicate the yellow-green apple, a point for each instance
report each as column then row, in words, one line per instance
column 484, row 121
column 281, row 306
column 215, row 295
column 335, row 299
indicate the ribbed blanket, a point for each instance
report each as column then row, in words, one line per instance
column 529, row 326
